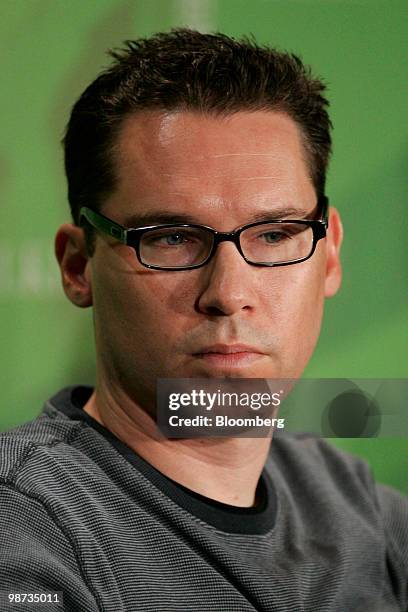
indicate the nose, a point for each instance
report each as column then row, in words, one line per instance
column 228, row 283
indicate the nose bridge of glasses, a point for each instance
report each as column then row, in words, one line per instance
column 226, row 237
column 219, row 237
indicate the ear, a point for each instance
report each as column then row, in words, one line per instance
column 73, row 260
column 333, row 265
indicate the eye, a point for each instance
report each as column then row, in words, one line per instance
column 170, row 237
column 279, row 233
column 274, row 237
column 174, row 239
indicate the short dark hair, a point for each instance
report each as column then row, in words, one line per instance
column 186, row 70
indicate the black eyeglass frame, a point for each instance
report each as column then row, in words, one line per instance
column 132, row 236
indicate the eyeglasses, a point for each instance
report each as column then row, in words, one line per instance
column 190, row 246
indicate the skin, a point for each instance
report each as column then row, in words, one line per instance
column 153, row 324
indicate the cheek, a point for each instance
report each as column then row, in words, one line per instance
column 137, row 308
column 294, row 291
column 294, row 303
column 163, row 302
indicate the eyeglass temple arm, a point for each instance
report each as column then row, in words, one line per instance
column 324, row 205
column 103, row 224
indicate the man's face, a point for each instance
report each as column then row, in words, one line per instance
column 221, row 172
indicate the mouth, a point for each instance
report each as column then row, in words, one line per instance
column 231, row 355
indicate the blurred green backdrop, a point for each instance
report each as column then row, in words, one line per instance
column 50, row 50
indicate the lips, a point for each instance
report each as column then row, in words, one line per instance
column 227, row 349
column 229, row 355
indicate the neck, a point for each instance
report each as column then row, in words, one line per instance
column 223, row 469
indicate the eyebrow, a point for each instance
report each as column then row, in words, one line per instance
column 165, row 216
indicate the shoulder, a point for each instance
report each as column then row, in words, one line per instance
column 44, row 432
column 393, row 510
column 328, row 499
column 310, row 466
column 37, row 546
column 44, row 465
column 336, row 484
column 317, row 459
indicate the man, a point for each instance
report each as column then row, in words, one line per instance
column 214, row 153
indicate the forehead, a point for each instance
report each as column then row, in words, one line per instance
column 184, row 157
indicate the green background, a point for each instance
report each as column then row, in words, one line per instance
column 51, row 49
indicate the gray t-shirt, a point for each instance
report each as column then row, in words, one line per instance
column 83, row 515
